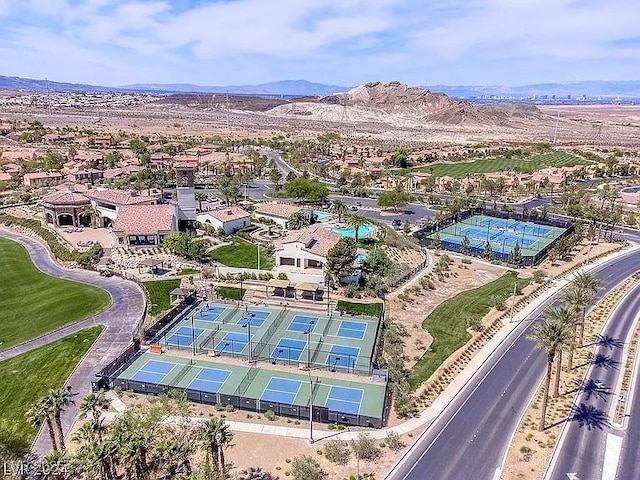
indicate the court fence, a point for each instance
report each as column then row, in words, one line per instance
column 105, row 376
column 424, row 235
column 153, row 331
column 316, row 356
column 321, row 414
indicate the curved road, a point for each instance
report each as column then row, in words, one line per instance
column 120, row 320
column 471, row 436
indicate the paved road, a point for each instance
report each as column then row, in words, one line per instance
column 469, row 439
column 582, row 446
column 120, row 320
column 629, row 466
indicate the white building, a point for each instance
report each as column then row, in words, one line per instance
column 230, row 219
column 302, row 254
column 279, row 212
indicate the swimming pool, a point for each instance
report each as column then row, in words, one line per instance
column 322, row 216
column 363, row 231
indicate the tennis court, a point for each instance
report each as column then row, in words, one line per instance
column 255, row 317
column 209, row 313
column 352, row 329
column 154, row 371
column 288, row 349
column 255, row 389
column 184, row 336
column 342, row 356
column 281, row 390
column 209, row 380
column 501, row 235
column 303, row 323
column 344, row 399
column 233, row 342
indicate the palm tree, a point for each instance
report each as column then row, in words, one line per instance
column 200, row 197
column 215, row 436
column 548, row 334
column 41, row 412
column 339, row 208
column 588, row 282
column 58, row 399
column 578, row 299
column 13, row 443
column 562, row 315
column 356, row 221
column 381, row 234
column 92, row 404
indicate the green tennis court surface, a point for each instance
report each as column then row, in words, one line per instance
column 256, row 389
column 280, row 336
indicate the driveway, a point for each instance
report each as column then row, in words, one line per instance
column 120, row 320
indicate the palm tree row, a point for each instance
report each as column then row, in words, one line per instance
column 140, row 445
column 558, row 330
column 48, row 410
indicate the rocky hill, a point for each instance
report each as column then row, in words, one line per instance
column 400, row 104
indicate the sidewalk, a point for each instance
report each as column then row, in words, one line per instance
column 425, row 417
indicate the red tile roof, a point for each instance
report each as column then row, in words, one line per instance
column 143, row 219
column 118, row 197
column 228, row 214
column 316, row 238
column 280, row 210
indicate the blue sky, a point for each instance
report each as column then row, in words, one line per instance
column 340, row 42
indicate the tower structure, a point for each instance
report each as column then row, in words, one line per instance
column 347, row 128
column 186, row 201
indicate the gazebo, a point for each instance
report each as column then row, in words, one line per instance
column 152, row 263
column 276, row 284
column 180, row 294
column 307, row 287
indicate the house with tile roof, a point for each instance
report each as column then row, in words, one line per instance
column 139, row 225
column 230, row 219
column 303, row 253
column 280, row 213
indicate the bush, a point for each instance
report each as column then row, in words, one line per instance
column 306, row 468
column 230, row 408
column 392, row 439
column 350, row 290
column 539, row 276
column 270, row 415
column 499, row 303
column 218, row 407
column 337, row 451
column 365, row 448
column 282, row 276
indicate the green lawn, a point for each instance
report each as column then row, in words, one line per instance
column 158, row 291
column 32, row 303
column 447, row 324
column 242, row 254
column 29, row 376
column 354, row 308
column 499, row 164
column 230, row 293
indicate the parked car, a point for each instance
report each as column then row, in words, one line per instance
column 359, row 204
column 396, row 223
column 353, row 208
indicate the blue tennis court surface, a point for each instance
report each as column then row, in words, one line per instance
column 153, row 371
column 303, row 323
column 233, row 342
column 209, row 380
column 516, row 226
column 344, row 400
column 343, row 356
column 281, row 390
column 209, row 314
column 256, row 317
column 183, row 337
column 288, row 349
column 351, row 329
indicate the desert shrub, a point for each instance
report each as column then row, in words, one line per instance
column 337, row 451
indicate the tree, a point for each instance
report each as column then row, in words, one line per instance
column 214, row 436
column 275, row 176
column 58, row 400
column 393, row 199
column 305, row 189
column 588, row 282
column 356, row 221
column 436, row 241
column 364, row 448
column 13, row 443
column 92, row 404
column 53, row 161
column 406, row 228
column 229, row 187
column 306, row 468
column 562, row 315
column 299, row 220
column 377, row 263
column 578, row 299
column 291, row 176
column 200, row 197
column 138, row 146
column 400, row 158
column 340, row 258
column 516, row 255
column 339, row 208
column 487, row 253
column 465, row 246
column 177, row 243
column 547, row 335
column 381, row 234
column 39, row 413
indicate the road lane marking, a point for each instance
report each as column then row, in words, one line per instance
column 611, row 456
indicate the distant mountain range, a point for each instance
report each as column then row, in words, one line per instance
column 590, row 89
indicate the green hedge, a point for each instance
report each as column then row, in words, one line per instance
column 86, row 259
column 352, row 308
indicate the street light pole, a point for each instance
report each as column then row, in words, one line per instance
column 193, row 337
column 310, row 409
